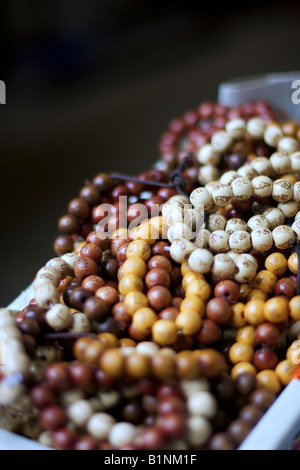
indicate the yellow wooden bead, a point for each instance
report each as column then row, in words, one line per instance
column 245, row 291
column 191, row 276
column 144, row 319
column 139, row 248
column 185, row 268
column 164, row 332
column 265, row 280
column 135, row 265
column 246, row 335
column 293, row 352
column 293, row 263
column 254, row 312
column 294, row 306
column 127, row 343
column 276, row 263
column 268, row 379
column 285, row 371
column 121, row 232
column 130, row 283
column 160, row 226
column 290, row 177
column 243, row 368
column 109, row 340
column 241, row 352
column 135, row 300
column 146, row 232
column 78, row 247
column 276, row 309
column 188, row 322
column 257, row 294
column 199, row 287
column 193, row 302
column 238, row 319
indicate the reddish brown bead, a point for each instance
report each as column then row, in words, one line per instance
column 90, row 194
column 57, row 376
column 30, row 327
column 159, row 297
column 171, row 404
column 79, row 208
column 30, row 345
column 93, row 251
column 238, row 430
column 120, row 314
column 262, row 398
column 169, row 313
column 108, row 294
column 167, row 390
column 136, row 334
column 173, row 425
column 81, row 375
column 176, row 302
column 52, row 417
column 68, row 224
column 221, row 441
column 85, row 267
column 286, row 286
column 245, row 384
column 85, row 443
column 209, row 332
column 95, row 309
column 41, row 396
column 159, row 262
column 121, row 254
column 119, row 191
column 267, row 334
column 103, row 182
column 160, row 249
column 135, row 188
column 265, row 358
column 93, row 283
column 157, row 277
column 218, row 310
column 152, row 439
column 227, row 290
column 251, row 414
column 175, row 276
column 63, row 244
column 64, row 438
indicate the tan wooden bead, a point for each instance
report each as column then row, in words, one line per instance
column 296, row 228
column 10, row 332
column 295, row 162
column 258, row 221
column 236, row 128
column 180, row 198
column 17, row 363
column 181, row 249
column 198, row 216
column 80, row 324
column 70, row 259
column 282, row 190
column 45, row 294
column 241, row 189
column 222, row 195
column 247, row 171
column 208, row 155
column 262, row 165
column 201, row 196
column 272, row 135
column 59, row 317
column 288, row 145
column 281, row 163
column 240, row 241
column 289, row 208
column 179, row 215
column 228, row 177
column 275, row 216
column 261, row 239
column 201, row 261
column 235, row 224
column 233, row 255
column 223, row 266
column 216, row 222
column 170, row 205
column 60, row 265
column 50, row 274
column 262, row 186
column 221, row 141
column 207, row 173
column 296, row 191
column 218, row 241
column 246, row 266
column 283, row 237
column 256, row 128
column 178, row 231
column 202, row 237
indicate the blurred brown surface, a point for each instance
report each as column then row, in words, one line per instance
column 56, row 133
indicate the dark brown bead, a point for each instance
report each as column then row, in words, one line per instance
column 159, row 262
column 30, row 345
column 93, row 251
column 227, row 290
column 134, row 187
column 169, row 313
column 159, row 297
column 133, row 412
column 121, row 254
column 110, row 269
column 90, row 194
column 265, row 358
column 238, row 430
column 63, row 244
column 68, row 224
column 221, row 420
column 78, row 297
column 79, row 208
column 245, row 384
column 136, row 334
column 85, row 443
column 179, row 291
column 110, row 325
column 170, row 404
column 103, row 379
column 225, row 388
column 120, row 314
column 86, row 228
column 93, row 283
column 85, row 267
column 161, row 249
column 103, row 182
column 209, row 332
column 52, row 417
column 157, row 277
column 242, row 206
column 218, row 310
column 117, row 244
column 173, row 425
column 154, row 205
column 64, row 438
column 262, row 398
column 66, row 295
column 57, row 376
column 102, row 242
column 95, row 308
column 152, row 439
column 251, row 414
column 176, row 302
column 267, row 334
column 150, row 404
column 235, row 161
column 221, row 441
column 175, row 276
column 135, row 211
column 81, row 375
column 41, row 396
column 30, row 327
column 286, row 286
column 166, row 193
column 35, row 313
column 168, row 389
column 75, row 282
column 119, row 191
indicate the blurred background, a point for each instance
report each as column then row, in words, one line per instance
column 91, row 85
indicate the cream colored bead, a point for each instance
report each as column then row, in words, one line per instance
column 7, row 321
column 218, row 241
column 272, row 135
column 201, row 196
column 297, row 216
column 201, row 261
column 199, row 430
column 262, row 186
column 289, row 208
column 282, row 190
column 233, row 255
column 296, row 228
column 60, row 265
column 212, row 186
column 70, row 259
column 9, row 393
column 262, row 165
column 5, row 312
column 207, row 173
column 80, row 412
column 216, row 222
column 202, row 237
column 221, row 141
column 198, row 216
column 81, row 323
column 296, row 191
column 236, row 128
column 256, row 128
column 202, row 404
column 228, row 177
column 288, row 145
column 281, row 163
column 170, row 205
column 222, row 195
column 241, row 189
column 122, row 434
column 181, row 249
column 17, row 363
column 100, row 425
column 240, row 241
column 192, row 386
column 295, row 162
column 261, row 239
column 59, row 317
column 275, row 216
column 258, row 221
column 235, row 224
column 9, row 332
column 177, row 214
column 50, row 274
column 180, row 198
column 208, row 155
column 45, row 294
column 223, row 266
column 179, row 230
column 247, row 171
column 147, row 348
column 283, row 237
column 246, row 266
